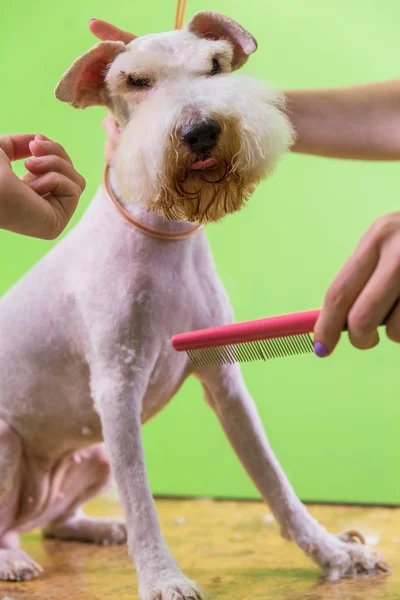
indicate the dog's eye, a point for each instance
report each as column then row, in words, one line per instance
column 138, row 82
column 216, row 67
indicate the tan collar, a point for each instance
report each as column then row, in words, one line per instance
column 161, row 235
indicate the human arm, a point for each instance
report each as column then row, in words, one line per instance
column 358, row 122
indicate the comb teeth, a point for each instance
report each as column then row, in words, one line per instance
column 252, row 351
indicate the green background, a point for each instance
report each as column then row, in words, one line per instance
column 334, row 424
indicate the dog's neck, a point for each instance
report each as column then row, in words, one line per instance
column 142, row 214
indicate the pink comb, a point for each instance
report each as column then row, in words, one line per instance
column 253, row 340
column 263, row 339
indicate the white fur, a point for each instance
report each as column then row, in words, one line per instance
column 264, row 130
column 171, row 54
column 178, row 64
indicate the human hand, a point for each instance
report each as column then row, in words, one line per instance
column 365, row 291
column 44, row 200
column 105, row 31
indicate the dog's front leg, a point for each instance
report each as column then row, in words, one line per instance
column 338, row 556
column 119, row 403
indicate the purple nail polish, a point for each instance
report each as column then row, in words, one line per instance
column 320, row 349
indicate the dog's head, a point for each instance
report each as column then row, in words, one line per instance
column 195, row 138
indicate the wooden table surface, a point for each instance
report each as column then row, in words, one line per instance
column 232, row 549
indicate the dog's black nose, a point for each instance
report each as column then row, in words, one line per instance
column 201, row 136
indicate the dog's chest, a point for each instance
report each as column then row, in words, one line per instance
column 167, row 376
column 191, row 297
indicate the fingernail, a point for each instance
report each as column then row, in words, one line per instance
column 320, row 350
column 92, row 19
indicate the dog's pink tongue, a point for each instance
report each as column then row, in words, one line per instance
column 201, row 165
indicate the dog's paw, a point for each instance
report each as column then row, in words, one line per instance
column 15, row 565
column 349, row 557
column 106, row 532
column 174, row 588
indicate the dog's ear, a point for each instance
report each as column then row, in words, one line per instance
column 84, row 83
column 214, row 26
